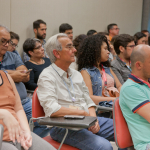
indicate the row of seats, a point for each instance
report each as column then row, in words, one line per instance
column 122, row 136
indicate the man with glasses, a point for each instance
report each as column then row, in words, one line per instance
column 15, row 67
column 39, row 28
column 123, row 45
column 112, row 30
column 14, row 43
column 12, row 64
column 62, row 91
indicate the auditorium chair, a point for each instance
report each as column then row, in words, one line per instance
column 121, row 132
column 37, row 111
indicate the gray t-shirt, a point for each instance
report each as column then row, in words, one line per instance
column 10, row 62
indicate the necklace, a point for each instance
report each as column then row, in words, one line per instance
column 38, row 63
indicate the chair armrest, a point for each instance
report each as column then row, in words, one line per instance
column 68, row 123
column 1, row 135
column 29, row 91
column 103, row 108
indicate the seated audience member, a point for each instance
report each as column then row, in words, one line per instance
column 17, row 70
column 91, row 32
column 113, row 30
column 112, row 54
column 39, row 27
column 14, row 43
column 95, row 69
column 139, row 38
column 67, row 29
column 146, row 32
column 17, row 135
column 77, row 42
column 135, row 98
column 15, row 67
column 35, row 51
column 62, row 91
column 123, row 45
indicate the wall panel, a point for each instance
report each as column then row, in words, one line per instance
column 5, row 13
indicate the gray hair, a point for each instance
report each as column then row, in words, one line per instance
column 52, row 44
column 2, row 26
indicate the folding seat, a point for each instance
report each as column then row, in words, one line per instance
column 121, row 132
column 37, row 111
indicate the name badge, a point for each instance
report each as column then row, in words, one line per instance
column 73, row 107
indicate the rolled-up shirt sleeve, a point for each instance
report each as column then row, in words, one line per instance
column 88, row 100
column 47, row 94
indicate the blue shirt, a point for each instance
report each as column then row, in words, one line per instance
column 135, row 94
column 96, row 79
column 10, row 62
column 17, row 54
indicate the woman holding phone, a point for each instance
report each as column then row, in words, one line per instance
column 37, row 62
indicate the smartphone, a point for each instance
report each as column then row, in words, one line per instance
column 29, row 70
column 73, row 117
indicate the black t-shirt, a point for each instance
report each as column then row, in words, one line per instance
column 34, row 74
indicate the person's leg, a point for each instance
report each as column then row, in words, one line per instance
column 27, row 106
column 41, row 130
column 40, row 144
column 106, row 128
column 37, row 144
column 82, row 139
column 8, row 146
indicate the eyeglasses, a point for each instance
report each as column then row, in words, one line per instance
column 70, row 47
column 13, row 44
column 4, row 41
column 131, row 46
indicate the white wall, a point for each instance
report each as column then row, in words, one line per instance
column 83, row 15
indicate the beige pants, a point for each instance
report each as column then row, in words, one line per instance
column 37, row 144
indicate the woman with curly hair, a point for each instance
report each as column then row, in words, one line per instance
column 95, row 68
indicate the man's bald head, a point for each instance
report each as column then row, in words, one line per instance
column 140, row 53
